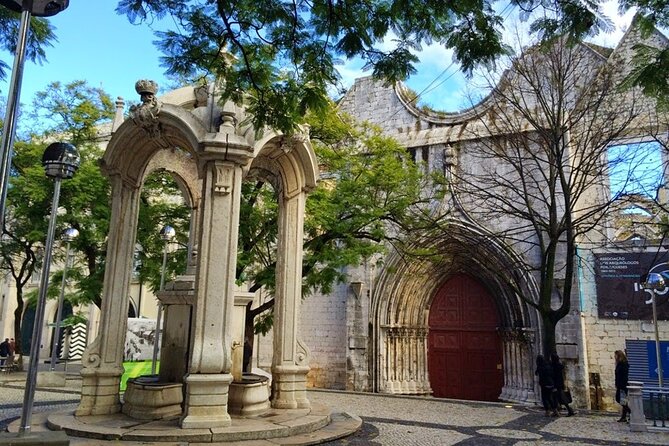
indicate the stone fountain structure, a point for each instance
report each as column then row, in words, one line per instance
column 209, row 153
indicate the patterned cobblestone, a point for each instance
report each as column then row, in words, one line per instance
column 409, row 421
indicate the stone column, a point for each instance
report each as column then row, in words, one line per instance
column 103, row 359
column 426, row 374
column 504, row 395
column 527, row 366
column 290, row 361
column 413, row 361
column 516, row 366
column 208, row 381
column 385, row 365
column 635, row 403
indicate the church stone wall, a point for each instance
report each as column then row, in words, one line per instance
column 324, row 332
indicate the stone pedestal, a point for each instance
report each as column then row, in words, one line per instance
column 51, row 379
column 206, row 401
column 635, row 402
column 289, row 384
column 148, row 399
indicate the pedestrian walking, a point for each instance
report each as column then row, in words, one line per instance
column 563, row 393
column 548, row 392
column 622, row 375
column 4, row 351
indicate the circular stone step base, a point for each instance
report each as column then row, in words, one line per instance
column 290, row 426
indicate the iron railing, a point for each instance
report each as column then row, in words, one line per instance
column 656, row 406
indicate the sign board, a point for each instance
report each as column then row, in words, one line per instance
column 620, row 294
column 652, row 359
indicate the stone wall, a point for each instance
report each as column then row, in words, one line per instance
column 604, row 336
column 324, row 333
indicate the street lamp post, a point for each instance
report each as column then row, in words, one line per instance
column 68, row 236
column 60, row 161
column 167, row 233
column 654, row 282
column 27, row 8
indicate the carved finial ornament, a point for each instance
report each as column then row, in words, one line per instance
column 145, row 114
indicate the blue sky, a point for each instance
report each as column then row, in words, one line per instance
column 99, row 46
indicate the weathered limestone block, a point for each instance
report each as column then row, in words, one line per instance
column 206, row 401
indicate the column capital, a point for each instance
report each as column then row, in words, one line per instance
column 226, row 147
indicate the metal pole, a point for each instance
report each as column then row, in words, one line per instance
column 59, row 313
column 657, row 341
column 31, row 380
column 9, row 128
column 160, row 312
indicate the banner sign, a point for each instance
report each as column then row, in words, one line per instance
column 620, row 294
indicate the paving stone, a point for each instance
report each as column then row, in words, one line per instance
column 386, row 421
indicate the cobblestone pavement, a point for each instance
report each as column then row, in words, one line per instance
column 411, row 421
column 419, row 421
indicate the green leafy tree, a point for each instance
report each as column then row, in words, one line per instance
column 75, row 113
column 71, row 113
column 41, row 35
column 651, row 63
column 25, row 225
column 279, row 56
column 161, row 204
column 370, row 196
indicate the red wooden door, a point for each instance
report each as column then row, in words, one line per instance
column 464, row 347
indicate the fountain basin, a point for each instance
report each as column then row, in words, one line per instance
column 148, row 399
column 250, row 396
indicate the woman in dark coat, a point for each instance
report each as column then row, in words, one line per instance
column 558, row 380
column 548, row 392
column 622, row 375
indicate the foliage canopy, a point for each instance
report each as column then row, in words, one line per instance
column 280, row 56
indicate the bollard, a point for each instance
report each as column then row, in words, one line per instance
column 635, row 402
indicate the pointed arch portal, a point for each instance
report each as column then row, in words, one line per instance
column 429, row 315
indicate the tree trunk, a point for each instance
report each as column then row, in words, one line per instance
column 549, row 342
column 18, row 318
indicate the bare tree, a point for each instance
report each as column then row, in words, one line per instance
column 534, row 167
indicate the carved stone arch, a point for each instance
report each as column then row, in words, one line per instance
column 289, row 164
column 290, row 158
column 131, row 148
column 404, row 293
column 127, row 160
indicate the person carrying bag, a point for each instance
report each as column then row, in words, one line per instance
column 563, row 392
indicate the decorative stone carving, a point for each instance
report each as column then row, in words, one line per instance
column 145, row 114
column 303, row 353
column 450, row 156
column 223, row 182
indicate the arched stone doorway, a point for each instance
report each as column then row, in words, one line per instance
column 464, row 345
column 402, row 302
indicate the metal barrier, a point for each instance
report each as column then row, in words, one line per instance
column 658, row 407
column 649, row 404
